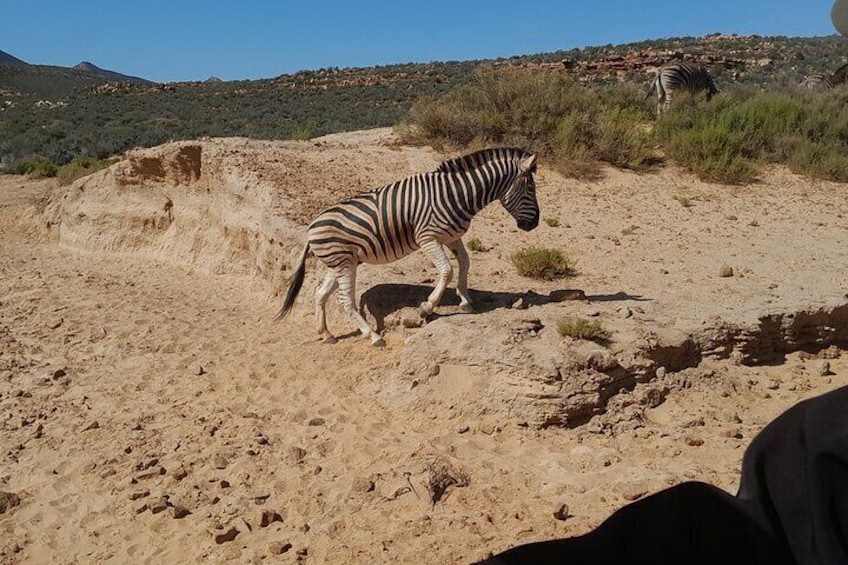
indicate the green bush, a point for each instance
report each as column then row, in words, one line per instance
column 34, row 167
column 541, row 263
column 579, row 328
column 80, row 167
column 474, row 244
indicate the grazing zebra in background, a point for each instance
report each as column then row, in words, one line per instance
column 825, row 80
column 426, row 211
column 678, row 77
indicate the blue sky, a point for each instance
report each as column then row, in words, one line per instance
column 181, row 40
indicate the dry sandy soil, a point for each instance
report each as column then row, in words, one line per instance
column 150, row 411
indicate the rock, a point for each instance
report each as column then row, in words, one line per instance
column 149, row 473
column 561, row 513
column 823, row 368
column 362, row 484
column 693, row 441
column 91, row 426
column 661, row 372
column 433, row 370
column 178, row 511
column 55, row 323
column 593, row 312
column 772, row 384
column 241, row 525
column 159, row 505
column 58, row 373
column 179, row 473
column 520, row 304
column 831, row 352
column 219, row 462
column 228, row 535
column 601, row 361
column 8, row 500
column 278, row 548
column 462, row 429
column 316, row 422
column 412, row 322
column 196, row 369
column 141, row 493
column 297, row 454
column 268, row 517
column 563, row 295
column 725, row 271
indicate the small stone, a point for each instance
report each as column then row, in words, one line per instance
column 561, row 513
column 693, row 441
column 149, row 473
column 229, row 535
column 278, row 548
column 593, row 313
column 772, row 384
column 261, row 438
column 268, row 517
column 196, row 369
column 219, row 462
column 297, row 454
column 362, row 484
column 179, row 473
column 141, row 508
column 732, row 433
column 178, row 511
column 462, row 429
column 563, row 295
column 520, row 304
column 159, row 505
column 91, row 426
column 59, row 373
column 488, row 429
column 302, row 552
column 661, row 372
column 725, row 271
column 55, row 323
column 242, row 525
column 136, row 494
column 412, row 322
column 316, row 422
column 823, row 368
column 633, row 492
column 434, row 370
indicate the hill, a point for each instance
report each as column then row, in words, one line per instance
column 6, row 59
column 109, row 75
column 60, row 113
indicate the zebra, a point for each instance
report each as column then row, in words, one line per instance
column 825, row 80
column 677, row 77
column 426, row 211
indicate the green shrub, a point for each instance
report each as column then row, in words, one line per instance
column 80, row 167
column 474, row 244
column 541, row 263
column 580, row 328
column 34, row 167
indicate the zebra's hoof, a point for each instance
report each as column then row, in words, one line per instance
column 379, row 343
column 331, row 340
column 467, row 308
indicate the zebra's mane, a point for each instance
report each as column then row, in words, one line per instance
column 474, row 160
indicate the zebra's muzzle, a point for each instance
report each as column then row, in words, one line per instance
column 528, row 224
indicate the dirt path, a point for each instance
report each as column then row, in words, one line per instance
column 109, row 435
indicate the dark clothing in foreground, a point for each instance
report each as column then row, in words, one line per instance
column 791, row 508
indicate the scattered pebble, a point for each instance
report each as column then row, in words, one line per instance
column 179, row 473
column 823, row 368
column 316, row 422
column 55, row 323
column 158, row 505
column 297, row 453
column 8, row 500
column 462, row 429
column 220, row 462
column 91, row 426
column 196, row 369
column 278, row 548
column 561, row 513
column 362, row 484
column 725, row 271
column 136, row 494
column 693, row 441
column 178, row 511
column 268, row 517
column 228, row 535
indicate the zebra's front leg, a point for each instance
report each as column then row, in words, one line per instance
column 457, row 247
column 434, row 250
column 322, row 294
column 347, row 297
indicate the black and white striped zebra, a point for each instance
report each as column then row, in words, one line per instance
column 822, row 81
column 426, row 211
column 681, row 77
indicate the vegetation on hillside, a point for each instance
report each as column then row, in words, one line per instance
column 581, row 115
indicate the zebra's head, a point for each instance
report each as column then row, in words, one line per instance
column 520, row 198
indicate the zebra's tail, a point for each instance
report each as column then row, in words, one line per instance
column 294, row 285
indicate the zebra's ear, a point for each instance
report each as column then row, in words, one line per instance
column 528, row 164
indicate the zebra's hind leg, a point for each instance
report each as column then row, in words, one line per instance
column 322, row 294
column 347, row 296
column 458, row 249
column 434, row 250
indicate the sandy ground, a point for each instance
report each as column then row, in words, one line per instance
column 151, row 412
